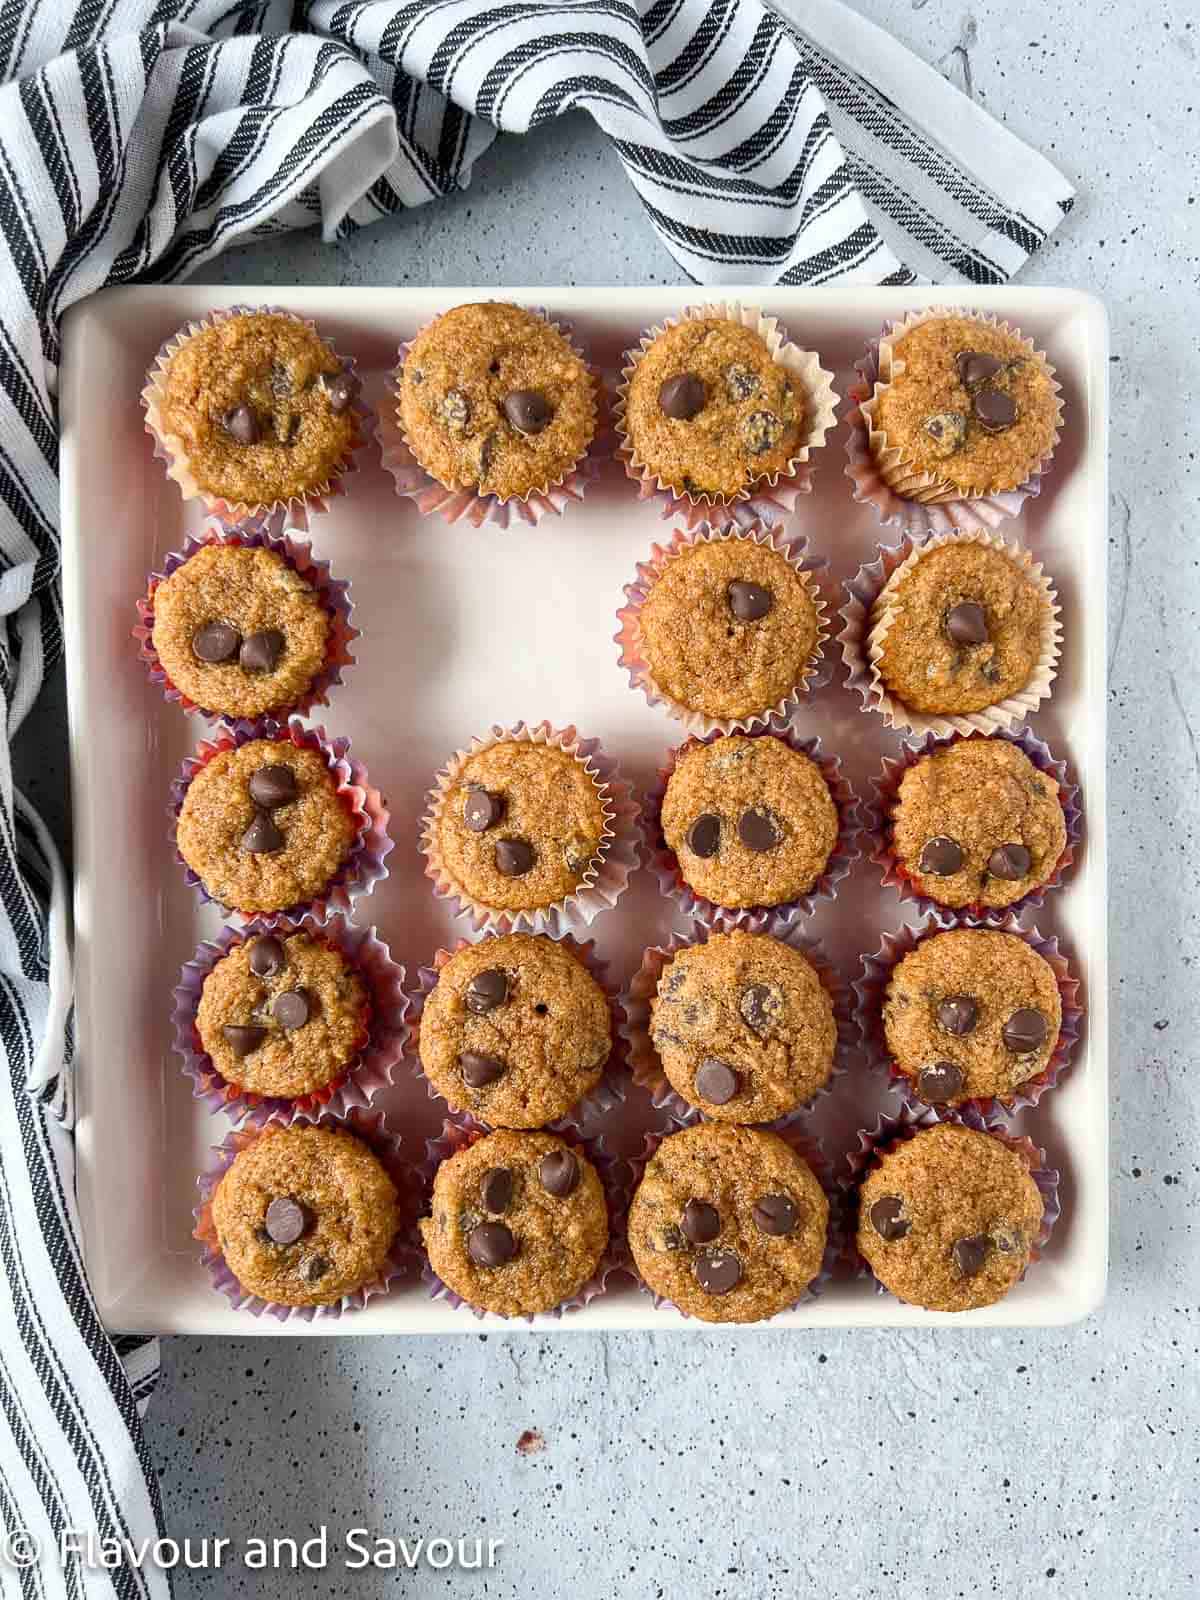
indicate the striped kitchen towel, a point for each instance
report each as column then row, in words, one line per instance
column 140, row 138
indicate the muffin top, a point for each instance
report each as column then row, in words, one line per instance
column 516, row 1031
column 976, row 823
column 518, row 1223
column 238, row 631
column 964, row 629
column 283, row 1015
column 709, row 412
column 743, row 1026
column 729, row 628
column 948, row 1218
column 970, row 1014
column 305, row 1215
column 262, row 406
column 520, row 825
column 971, row 405
column 493, row 398
column 728, row 1223
column 263, row 827
column 751, row 821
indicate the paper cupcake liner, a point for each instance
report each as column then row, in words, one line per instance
column 810, row 1149
column 868, row 616
column 430, row 496
column 608, row 1093
column 170, row 448
column 334, row 595
column 878, row 828
column 645, row 1064
column 362, row 869
column 870, row 991
column 890, row 1131
column 460, row 1133
column 628, row 636
column 774, row 495
column 664, row 863
column 371, row 1069
column 610, row 870
column 371, row 1127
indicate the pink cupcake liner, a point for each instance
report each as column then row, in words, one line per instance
column 878, row 828
column 892, row 1130
column 608, row 1093
column 627, row 637
column 468, row 505
column 334, row 594
column 644, row 1062
column 611, row 868
column 870, row 990
column 169, row 449
column 362, row 869
column 371, row 1127
column 664, row 863
column 372, row 1068
column 460, row 1133
column 862, row 592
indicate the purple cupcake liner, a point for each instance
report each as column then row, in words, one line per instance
column 362, row 869
column 371, row 1127
column 334, row 594
column 371, row 1070
column 878, row 829
column 871, row 988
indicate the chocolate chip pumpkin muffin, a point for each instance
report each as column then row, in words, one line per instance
column 492, row 397
column 750, row 820
column 518, row 1223
column 283, row 1015
column 976, row 823
column 728, row 1223
column 263, row 826
column 743, row 1026
column 948, row 1219
column 971, row 1014
column 516, row 1031
column 305, row 1215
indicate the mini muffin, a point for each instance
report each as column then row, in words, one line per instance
column 948, row 1219
column 492, row 397
column 729, row 628
column 728, row 1223
column 238, row 631
column 751, row 821
column 263, row 827
column 709, row 412
column 519, row 827
column 283, row 1016
column 516, row 1031
column 259, row 406
column 961, row 629
column 744, row 1027
column 976, row 823
column 305, row 1215
column 518, row 1223
column 971, row 1014
column 969, row 403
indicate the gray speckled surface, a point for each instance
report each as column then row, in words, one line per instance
column 864, row 1464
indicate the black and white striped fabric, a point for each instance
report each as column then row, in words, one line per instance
column 139, row 138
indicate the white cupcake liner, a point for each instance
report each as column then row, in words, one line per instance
column 610, row 870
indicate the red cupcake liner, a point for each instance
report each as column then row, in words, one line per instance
column 878, row 828
column 870, row 990
column 334, row 594
column 664, row 863
column 362, row 869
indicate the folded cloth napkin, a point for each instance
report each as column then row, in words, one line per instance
column 140, row 138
